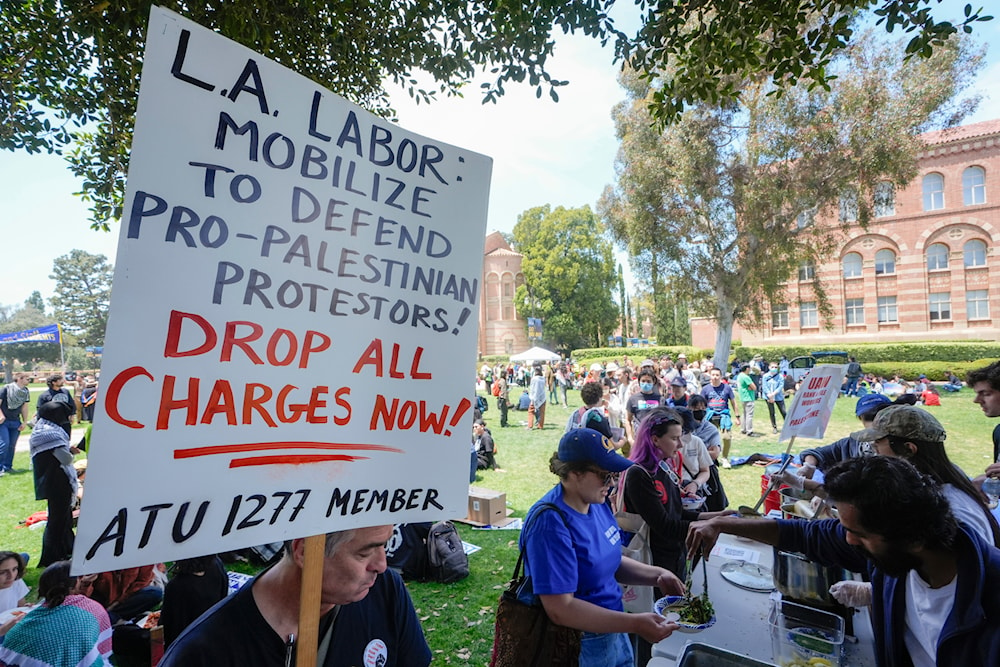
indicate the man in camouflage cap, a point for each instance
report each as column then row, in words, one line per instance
column 903, row 422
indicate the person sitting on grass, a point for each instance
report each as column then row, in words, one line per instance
column 67, row 630
column 930, row 396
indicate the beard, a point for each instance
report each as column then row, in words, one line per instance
column 894, row 561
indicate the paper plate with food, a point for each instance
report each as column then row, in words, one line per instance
column 692, row 614
column 11, row 614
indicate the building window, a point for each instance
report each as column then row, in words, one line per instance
column 937, row 257
column 779, row 316
column 940, row 306
column 975, row 253
column 508, row 286
column 933, row 192
column 805, row 218
column 849, row 206
column 852, row 265
column 885, row 200
column 977, row 304
column 807, row 271
column 854, row 311
column 885, row 262
column 808, row 314
column 887, row 309
column 974, row 186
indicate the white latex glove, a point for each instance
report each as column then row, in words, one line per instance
column 852, row 593
column 788, row 478
column 806, row 470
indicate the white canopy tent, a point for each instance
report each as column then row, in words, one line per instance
column 534, row 355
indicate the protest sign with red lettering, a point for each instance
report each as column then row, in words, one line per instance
column 293, row 315
column 813, row 402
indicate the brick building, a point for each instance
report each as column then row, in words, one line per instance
column 923, row 270
column 501, row 329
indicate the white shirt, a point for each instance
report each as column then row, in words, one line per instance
column 968, row 512
column 926, row 611
column 696, row 456
column 9, row 597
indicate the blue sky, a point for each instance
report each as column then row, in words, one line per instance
column 544, row 153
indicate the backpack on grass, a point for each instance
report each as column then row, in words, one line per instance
column 446, row 556
column 427, row 552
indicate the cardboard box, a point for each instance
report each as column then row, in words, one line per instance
column 487, row 507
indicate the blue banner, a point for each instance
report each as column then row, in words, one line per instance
column 47, row 334
column 534, row 327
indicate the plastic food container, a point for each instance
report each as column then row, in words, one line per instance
column 805, row 637
column 703, row 655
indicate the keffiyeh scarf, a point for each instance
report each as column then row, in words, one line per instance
column 17, row 396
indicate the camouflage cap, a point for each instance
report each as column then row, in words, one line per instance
column 903, row 421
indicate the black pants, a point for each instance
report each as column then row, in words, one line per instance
column 770, row 411
column 57, row 540
column 502, row 407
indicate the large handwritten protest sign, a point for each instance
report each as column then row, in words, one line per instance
column 292, row 318
column 813, row 403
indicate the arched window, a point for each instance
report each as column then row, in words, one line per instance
column 885, row 262
column 852, row 265
column 974, row 186
column 885, row 200
column 933, row 192
column 975, row 253
column 937, row 257
column 492, row 286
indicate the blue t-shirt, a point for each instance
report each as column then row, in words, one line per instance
column 583, row 563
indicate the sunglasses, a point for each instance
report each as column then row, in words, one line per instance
column 609, row 477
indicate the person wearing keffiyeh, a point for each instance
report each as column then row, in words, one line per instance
column 14, row 399
column 66, row 630
column 55, row 479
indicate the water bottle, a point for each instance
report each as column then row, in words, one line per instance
column 991, row 487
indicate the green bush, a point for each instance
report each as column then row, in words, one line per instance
column 603, row 355
column 934, row 370
column 949, row 352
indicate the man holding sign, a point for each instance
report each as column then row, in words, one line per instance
column 367, row 617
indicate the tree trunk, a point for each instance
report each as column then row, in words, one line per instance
column 723, row 332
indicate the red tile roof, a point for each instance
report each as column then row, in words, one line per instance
column 962, row 132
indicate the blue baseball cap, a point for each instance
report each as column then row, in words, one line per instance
column 869, row 402
column 585, row 444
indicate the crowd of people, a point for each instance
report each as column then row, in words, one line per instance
column 920, row 530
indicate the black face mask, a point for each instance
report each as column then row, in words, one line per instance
column 699, row 415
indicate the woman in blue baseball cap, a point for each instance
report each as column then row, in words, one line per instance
column 573, row 554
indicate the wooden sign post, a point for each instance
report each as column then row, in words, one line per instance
column 310, row 596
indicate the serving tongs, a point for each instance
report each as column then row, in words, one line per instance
column 755, row 510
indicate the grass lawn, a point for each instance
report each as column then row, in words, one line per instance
column 458, row 618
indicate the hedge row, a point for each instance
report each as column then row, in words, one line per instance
column 949, row 352
column 934, row 370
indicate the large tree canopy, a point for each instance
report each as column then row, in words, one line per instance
column 83, row 295
column 69, row 70
column 731, row 200
column 568, row 269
